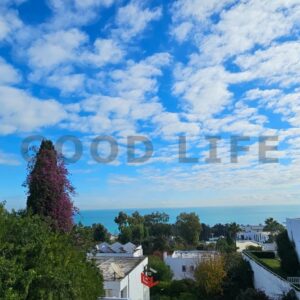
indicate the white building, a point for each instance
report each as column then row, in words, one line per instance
column 183, row 263
column 253, row 233
column 122, row 277
column 293, row 229
column 118, row 249
column 265, row 280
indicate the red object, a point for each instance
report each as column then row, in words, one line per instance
column 148, row 280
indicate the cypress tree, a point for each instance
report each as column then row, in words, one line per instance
column 49, row 189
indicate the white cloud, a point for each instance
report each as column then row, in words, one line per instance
column 21, row 112
column 70, row 13
column 205, row 91
column 130, row 97
column 8, row 74
column 67, row 82
column 133, row 19
column 182, row 30
column 56, row 48
column 9, row 22
column 277, row 64
column 106, row 51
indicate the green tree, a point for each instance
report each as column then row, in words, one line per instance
column 287, row 253
column 164, row 272
column 37, row 263
column 188, row 227
column 100, row 233
column 210, row 275
column 239, row 276
column 233, row 230
column 273, row 226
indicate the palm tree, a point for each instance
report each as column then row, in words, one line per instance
column 233, row 230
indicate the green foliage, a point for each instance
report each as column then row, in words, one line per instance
column 37, row 263
column 273, row 226
column 287, row 254
column 233, row 229
column 152, row 231
column 100, row 233
column 185, row 289
column 164, row 272
column 252, row 294
column 210, row 275
column 254, row 248
column 239, row 276
column 188, row 227
column 225, row 245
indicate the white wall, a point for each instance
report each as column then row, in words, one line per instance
column 264, row 280
column 131, row 283
column 176, row 264
column 136, row 290
column 293, row 229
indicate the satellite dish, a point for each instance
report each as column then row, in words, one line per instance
column 117, row 270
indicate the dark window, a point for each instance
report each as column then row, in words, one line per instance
column 183, row 268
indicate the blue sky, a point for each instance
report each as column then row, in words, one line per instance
column 159, row 69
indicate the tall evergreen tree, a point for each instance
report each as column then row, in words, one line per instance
column 49, row 189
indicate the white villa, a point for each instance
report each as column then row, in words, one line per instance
column 122, row 266
column 253, row 233
column 183, row 263
column 122, row 277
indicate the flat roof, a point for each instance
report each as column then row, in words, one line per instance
column 125, row 264
column 193, row 253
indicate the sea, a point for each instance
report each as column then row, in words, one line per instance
column 243, row 215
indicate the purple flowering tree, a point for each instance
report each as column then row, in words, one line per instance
column 49, row 189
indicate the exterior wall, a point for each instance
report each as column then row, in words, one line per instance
column 131, row 285
column 136, row 290
column 273, row 285
column 293, row 229
column 176, row 265
column 260, row 237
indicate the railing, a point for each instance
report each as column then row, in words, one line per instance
column 294, row 280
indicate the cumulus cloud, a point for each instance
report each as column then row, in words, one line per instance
column 133, row 18
column 8, row 74
column 105, row 51
column 56, row 48
column 21, row 112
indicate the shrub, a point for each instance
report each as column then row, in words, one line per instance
column 264, row 254
column 252, row 294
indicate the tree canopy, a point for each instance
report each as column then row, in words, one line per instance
column 39, row 263
column 49, row 189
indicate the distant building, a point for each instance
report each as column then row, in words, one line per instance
column 253, row 233
column 293, row 229
column 184, row 263
column 118, row 249
column 122, row 277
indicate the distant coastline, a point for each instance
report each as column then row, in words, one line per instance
column 209, row 215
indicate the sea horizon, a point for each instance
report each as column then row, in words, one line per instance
column 210, row 215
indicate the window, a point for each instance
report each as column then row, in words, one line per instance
column 192, row 268
column 183, row 268
column 109, row 293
